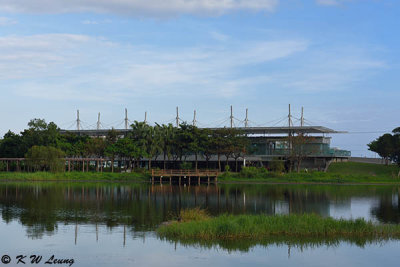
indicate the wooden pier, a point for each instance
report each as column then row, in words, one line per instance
column 185, row 175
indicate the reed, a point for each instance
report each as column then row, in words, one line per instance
column 261, row 227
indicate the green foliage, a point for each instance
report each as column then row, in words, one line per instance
column 196, row 214
column 260, row 227
column 137, row 176
column 3, row 166
column 253, row 172
column 341, row 172
column 227, row 168
column 388, row 146
column 277, row 165
column 45, row 158
column 186, row 165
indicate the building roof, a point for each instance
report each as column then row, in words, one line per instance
column 247, row 130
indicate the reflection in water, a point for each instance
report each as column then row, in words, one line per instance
column 244, row 245
column 388, row 209
column 142, row 207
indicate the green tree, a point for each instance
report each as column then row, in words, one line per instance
column 167, row 136
column 11, row 146
column 111, row 149
column 154, row 142
column 45, row 158
column 384, row 146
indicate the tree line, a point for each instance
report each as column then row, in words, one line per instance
column 387, row 146
column 144, row 142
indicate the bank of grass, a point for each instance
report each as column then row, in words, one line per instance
column 364, row 169
column 343, row 172
column 74, row 176
column 262, row 227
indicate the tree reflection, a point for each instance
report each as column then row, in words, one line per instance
column 142, row 207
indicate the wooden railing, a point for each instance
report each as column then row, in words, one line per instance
column 183, row 173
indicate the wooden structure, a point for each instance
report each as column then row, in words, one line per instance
column 8, row 162
column 186, row 175
column 71, row 163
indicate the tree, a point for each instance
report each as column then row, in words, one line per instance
column 95, row 147
column 206, row 145
column 111, row 149
column 388, row 147
column 45, row 158
column 154, row 143
column 298, row 149
column 396, row 152
column 167, row 135
column 384, row 146
column 220, row 143
column 126, row 149
column 11, row 146
column 240, row 144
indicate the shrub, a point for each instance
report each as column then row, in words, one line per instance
column 186, row 165
column 45, row 158
column 253, row 172
column 277, row 165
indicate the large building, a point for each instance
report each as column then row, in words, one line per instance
column 267, row 144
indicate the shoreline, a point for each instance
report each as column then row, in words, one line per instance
column 223, row 182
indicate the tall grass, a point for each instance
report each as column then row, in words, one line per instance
column 196, row 214
column 260, row 227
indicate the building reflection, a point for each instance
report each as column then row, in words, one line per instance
column 142, row 207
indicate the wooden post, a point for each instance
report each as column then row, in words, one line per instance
column 101, row 166
column 170, row 180
column 152, row 176
column 160, row 179
column 208, row 179
column 17, row 165
column 83, row 165
column 69, row 165
column 189, row 180
column 7, row 164
column 179, row 180
column 87, row 165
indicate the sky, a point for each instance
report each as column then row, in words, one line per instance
column 339, row 59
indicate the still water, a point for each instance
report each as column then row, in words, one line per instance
column 113, row 224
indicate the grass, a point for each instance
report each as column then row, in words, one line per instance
column 258, row 227
column 363, row 169
column 196, row 215
column 343, row 172
column 73, row 176
column 338, row 173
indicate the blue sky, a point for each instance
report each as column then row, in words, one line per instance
column 337, row 58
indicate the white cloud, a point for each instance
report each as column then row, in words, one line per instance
column 333, row 70
column 219, row 36
column 138, row 7
column 90, row 22
column 329, row 2
column 80, row 67
column 59, row 66
column 4, row 21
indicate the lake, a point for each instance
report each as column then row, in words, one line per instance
column 109, row 224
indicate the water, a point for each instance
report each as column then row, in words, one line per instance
column 113, row 225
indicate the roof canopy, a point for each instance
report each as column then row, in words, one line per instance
column 247, row 130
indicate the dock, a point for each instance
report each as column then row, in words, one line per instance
column 185, row 175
